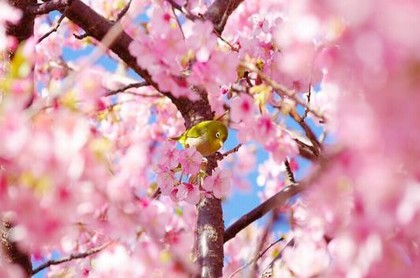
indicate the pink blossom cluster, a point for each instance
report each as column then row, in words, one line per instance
column 360, row 217
column 179, row 56
column 47, row 162
column 180, row 175
column 80, row 163
column 363, row 199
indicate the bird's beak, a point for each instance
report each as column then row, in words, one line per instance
column 221, row 144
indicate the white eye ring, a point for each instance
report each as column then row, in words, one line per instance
column 217, row 135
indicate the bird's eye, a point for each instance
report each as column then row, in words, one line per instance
column 217, row 135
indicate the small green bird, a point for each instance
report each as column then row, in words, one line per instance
column 207, row 137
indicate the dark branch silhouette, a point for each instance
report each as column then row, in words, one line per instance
column 279, row 199
column 47, row 7
column 11, row 250
column 129, row 86
column 54, row 29
column 72, row 257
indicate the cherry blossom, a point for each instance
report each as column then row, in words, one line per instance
column 88, row 160
column 170, row 156
column 190, row 160
column 202, row 40
column 188, row 192
column 218, row 183
column 242, row 108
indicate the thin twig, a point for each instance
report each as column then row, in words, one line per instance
column 256, row 258
column 226, row 42
column 282, row 90
column 231, row 151
column 129, row 86
column 178, row 23
column 55, row 29
column 156, row 194
column 219, row 11
column 70, row 258
column 192, row 17
column 247, row 79
column 323, row 136
column 175, row 5
column 290, row 176
column 270, row 265
column 140, row 95
column 308, row 97
column 278, row 199
column 123, row 11
column 81, row 36
column 183, row 10
column 308, row 131
column 305, row 150
column 268, row 228
column 221, row 24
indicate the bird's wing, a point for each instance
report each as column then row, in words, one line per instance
column 196, row 132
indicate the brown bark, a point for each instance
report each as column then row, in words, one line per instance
column 97, row 27
column 219, row 12
column 12, row 251
column 24, row 29
column 210, row 230
column 277, row 200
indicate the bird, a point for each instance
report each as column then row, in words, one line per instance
column 207, row 137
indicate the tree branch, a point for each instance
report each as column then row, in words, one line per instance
column 258, row 254
column 47, row 7
column 282, row 90
column 305, row 150
column 123, row 11
column 308, row 98
column 52, row 30
column 308, row 131
column 83, row 255
column 256, row 258
column 129, row 86
column 269, row 268
column 290, row 177
column 278, row 199
column 220, row 156
column 182, row 9
column 97, row 26
column 12, row 251
column 219, row 12
column 24, row 29
column 210, row 230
